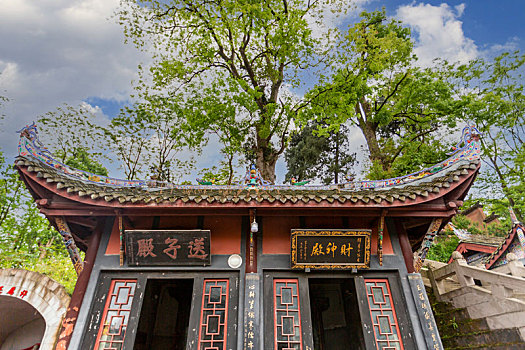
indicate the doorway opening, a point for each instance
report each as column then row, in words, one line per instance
column 336, row 322
column 165, row 315
column 21, row 325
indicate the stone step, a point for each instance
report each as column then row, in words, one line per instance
column 459, row 314
column 481, row 339
column 457, row 327
column 498, row 346
column 495, row 307
column 507, row 320
column 468, row 296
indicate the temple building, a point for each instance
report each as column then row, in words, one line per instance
column 485, row 251
column 248, row 266
column 514, row 242
column 477, row 249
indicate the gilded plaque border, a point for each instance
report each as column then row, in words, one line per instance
column 328, row 266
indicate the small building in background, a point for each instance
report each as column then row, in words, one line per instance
column 486, row 251
column 477, row 248
column 477, row 216
column 514, row 243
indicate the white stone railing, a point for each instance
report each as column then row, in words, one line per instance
column 496, row 296
column 507, row 282
column 514, row 267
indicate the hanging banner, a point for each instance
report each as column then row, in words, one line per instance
column 251, row 312
column 330, row 249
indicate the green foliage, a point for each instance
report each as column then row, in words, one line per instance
column 147, row 139
column 26, row 238
column 81, row 159
column 127, row 137
column 493, row 98
column 498, row 229
column 72, row 132
column 236, row 54
column 463, row 223
column 56, row 266
column 311, row 156
column 167, row 134
column 399, row 108
column 443, row 246
column 415, row 157
column 218, row 176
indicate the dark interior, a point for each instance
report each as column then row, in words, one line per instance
column 335, row 314
column 165, row 315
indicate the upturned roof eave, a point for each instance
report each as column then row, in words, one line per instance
column 502, row 248
column 424, row 198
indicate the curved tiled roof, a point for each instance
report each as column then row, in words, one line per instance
column 38, row 165
column 234, row 194
column 515, row 235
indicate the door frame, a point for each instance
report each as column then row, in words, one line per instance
column 359, row 278
column 104, row 282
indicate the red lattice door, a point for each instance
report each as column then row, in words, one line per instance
column 116, row 315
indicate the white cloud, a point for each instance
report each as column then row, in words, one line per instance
column 439, row 32
column 512, row 44
column 55, row 52
column 460, row 9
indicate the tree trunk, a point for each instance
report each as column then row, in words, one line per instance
column 230, row 169
column 369, row 130
column 265, row 157
column 265, row 161
column 336, row 171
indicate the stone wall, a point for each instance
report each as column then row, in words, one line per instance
column 47, row 296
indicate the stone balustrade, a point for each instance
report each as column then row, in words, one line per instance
column 495, row 295
column 514, row 267
column 499, row 283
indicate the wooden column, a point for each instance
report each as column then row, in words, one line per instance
column 70, row 319
column 380, row 230
column 251, row 246
column 404, row 242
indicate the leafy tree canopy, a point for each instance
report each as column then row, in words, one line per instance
column 242, row 54
column 493, row 98
column 311, row 156
column 68, row 130
column 26, row 238
column 376, row 86
column 82, row 160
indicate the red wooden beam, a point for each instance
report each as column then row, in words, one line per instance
column 70, row 319
column 404, row 242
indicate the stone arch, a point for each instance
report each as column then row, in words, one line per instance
column 47, row 296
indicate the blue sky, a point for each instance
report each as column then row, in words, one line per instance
column 110, row 107
column 487, row 22
column 71, row 51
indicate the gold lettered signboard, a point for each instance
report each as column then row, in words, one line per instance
column 331, row 249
